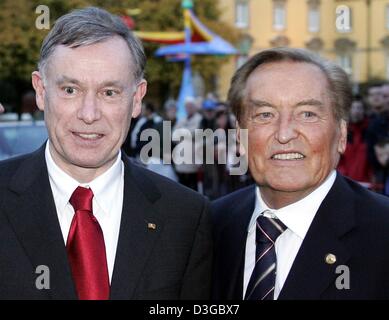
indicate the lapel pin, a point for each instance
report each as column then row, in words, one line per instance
column 151, row 226
column 330, row 258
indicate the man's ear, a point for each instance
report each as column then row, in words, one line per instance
column 37, row 83
column 140, row 92
column 343, row 137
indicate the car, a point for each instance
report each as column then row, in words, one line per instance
column 20, row 137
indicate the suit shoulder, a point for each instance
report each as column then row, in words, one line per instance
column 231, row 203
column 232, row 197
column 9, row 166
column 371, row 206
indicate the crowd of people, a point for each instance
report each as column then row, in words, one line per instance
column 211, row 178
column 366, row 157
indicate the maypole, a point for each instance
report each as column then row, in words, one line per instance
column 186, row 89
column 195, row 39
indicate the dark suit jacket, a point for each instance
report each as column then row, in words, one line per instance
column 352, row 223
column 171, row 262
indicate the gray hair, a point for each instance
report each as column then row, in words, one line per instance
column 338, row 82
column 88, row 26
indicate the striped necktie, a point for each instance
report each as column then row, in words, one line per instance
column 263, row 278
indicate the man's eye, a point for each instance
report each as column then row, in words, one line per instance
column 110, row 93
column 69, row 90
column 308, row 116
column 265, row 115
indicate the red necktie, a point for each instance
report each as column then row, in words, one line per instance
column 86, row 249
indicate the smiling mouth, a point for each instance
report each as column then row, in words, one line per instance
column 88, row 136
column 288, row 156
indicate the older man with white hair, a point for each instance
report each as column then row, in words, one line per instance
column 185, row 165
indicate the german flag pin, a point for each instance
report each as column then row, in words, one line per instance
column 151, row 226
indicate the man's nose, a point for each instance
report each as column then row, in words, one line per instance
column 89, row 111
column 286, row 129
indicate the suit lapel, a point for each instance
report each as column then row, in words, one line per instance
column 310, row 274
column 35, row 222
column 235, row 236
column 136, row 238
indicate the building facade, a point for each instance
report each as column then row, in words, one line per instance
column 354, row 33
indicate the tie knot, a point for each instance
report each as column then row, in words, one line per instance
column 81, row 199
column 269, row 229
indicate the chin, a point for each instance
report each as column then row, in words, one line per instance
column 290, row 185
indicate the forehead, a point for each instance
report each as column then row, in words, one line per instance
column 357, row 104
column 287, row 79
column 385, row 90
column 106, row 60
column 375, row 90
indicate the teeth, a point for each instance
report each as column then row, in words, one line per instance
column 89, row 136
column 288, row 156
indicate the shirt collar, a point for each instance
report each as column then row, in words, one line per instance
column 297, row 216
column 103, row 187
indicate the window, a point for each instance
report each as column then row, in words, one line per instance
column 242, row 14
column 313, row 17
column 345, row 61
column 279, row 14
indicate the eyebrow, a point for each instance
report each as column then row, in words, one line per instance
column 260, row 103
column 65, row 79
column 308, row 102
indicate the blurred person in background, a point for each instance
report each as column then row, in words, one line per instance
column 150, row 120
column 208, row 111
column 374, row 101
column 187, row 169
column 208, row 171
column 29, row 109
column 226, row 145
column 354, row 162
column 378, row 131
column 170, row 109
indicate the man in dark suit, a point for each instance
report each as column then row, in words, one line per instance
column 302, row 231
column 77, row 218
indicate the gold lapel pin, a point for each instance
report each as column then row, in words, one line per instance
column 330, row 258
column 151, row 226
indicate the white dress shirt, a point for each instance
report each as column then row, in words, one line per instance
column 297, row 217
column 107, row 201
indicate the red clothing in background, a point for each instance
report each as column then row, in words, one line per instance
column 354, row 162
